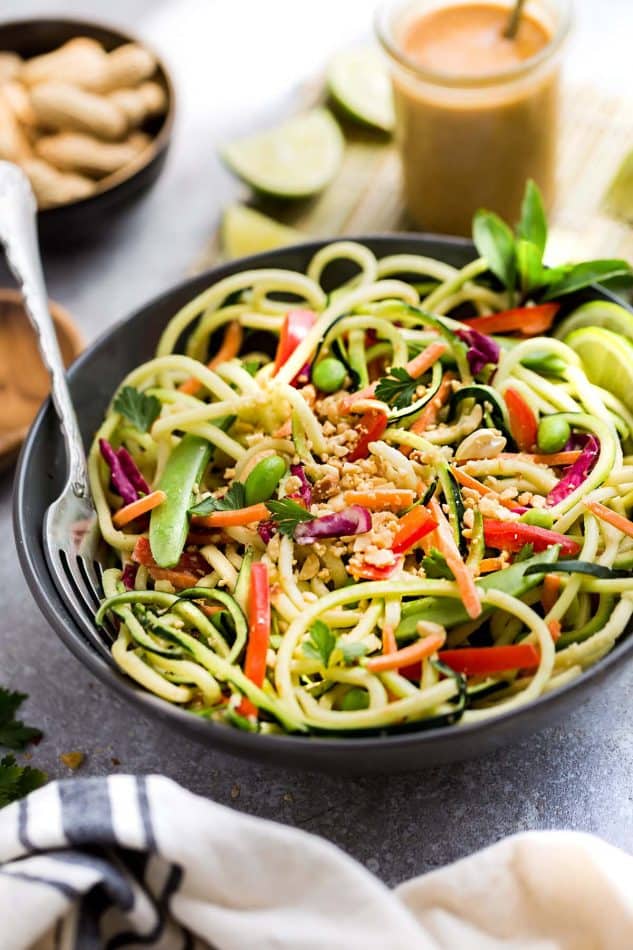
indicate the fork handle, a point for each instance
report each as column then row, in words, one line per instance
column 18, row 235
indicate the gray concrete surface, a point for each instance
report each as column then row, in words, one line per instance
column 577, row 775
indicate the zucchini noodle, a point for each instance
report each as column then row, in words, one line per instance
column 425, row 561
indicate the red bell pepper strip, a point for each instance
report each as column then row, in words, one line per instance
column 483, row 661
column 523, row 422
column 512, row 535
column 258, row 632
column 294, row 330
column 370, row 427
column 528, row 321
column 412, row 527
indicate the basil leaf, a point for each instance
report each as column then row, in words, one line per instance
column 533, row 224
column 561, row 281
column 494, row 241
column 529, row 266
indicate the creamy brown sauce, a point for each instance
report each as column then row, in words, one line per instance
column 468, row 145
column 468, row 40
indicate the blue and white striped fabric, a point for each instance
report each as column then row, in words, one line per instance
column 141, row 863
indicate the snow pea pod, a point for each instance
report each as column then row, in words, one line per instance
column 169, row 523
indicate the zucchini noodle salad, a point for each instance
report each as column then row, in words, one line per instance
column 394, row 505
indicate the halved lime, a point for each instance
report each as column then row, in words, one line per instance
column 607, row 360
column 294, row 160
column 597, row 313
column 246, row 231
column 359, row 83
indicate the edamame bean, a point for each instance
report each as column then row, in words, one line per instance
column 329, row 375
column 263, row 479
column 553, row 434
column 355, row 698
column 538, row 517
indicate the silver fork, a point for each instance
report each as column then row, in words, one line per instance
column 70, row 531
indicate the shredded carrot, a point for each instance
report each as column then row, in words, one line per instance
column 554, row 628
column 415, row 367
column 230, row 347
column 179, row 579
column 430, row 412
column 454, row 560
column 233, row 519
column 489, row 564
column 209, row 610
column 611, row 517
column 414, row 653
column 389, row 644
column 549, row 594
column 469, row 482
column 382, row 499
column 137, row 508
column 556, row 458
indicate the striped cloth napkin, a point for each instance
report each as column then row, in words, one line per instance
column 131, row 861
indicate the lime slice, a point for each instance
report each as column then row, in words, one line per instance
column 598, row 313
column 246, row 231
column 359, row 83
column 607, row 360
column 294, row 160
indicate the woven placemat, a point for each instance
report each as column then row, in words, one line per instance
column 365, row 196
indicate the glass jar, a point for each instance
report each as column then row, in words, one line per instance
column 472, row 141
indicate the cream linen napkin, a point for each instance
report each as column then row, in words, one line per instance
column 131, row 861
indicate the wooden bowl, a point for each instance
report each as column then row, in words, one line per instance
column 24, row 380
column 79, row 220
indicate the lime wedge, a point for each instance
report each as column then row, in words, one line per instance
column 294, row 160
column 598, row 313
column 246, row 231
column 359, row 83
column 607, row 360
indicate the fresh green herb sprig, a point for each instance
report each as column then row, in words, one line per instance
column 233, row 499
column 517, row 258
column 322, row 645
column 397, row 388
column 287, row 514
column 138, row 408
column 16, row 780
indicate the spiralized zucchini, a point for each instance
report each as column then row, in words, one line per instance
column 400, row 618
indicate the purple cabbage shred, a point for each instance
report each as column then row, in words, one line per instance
column 129, row 575
column 351, row 520
column 482, row 349
column 304, row 495
column 576, row 473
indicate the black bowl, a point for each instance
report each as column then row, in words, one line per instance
column 69, row 223
column 93, row 379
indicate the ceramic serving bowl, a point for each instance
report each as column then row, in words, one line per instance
column 78, row 220
column 93, row 379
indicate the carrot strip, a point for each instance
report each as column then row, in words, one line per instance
column 556, row 458
column 179, row 579
column 415, row 367
column 233, row 519
column 209, row 610
column 382, row 499
column 431, row 411
column 554, row 628
column 414, row 653
column 454, row 560
column 389, row 644
column 549, row 594
column 611, row 517
column 230, row 347
column 489, row 564
column 137, row 508
column 469, row 482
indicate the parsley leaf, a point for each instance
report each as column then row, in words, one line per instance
column 13, row 733
column 234, row 498
column 350, row 651
column 435, row 566
column 16, row 781
column 398, row 388
column 321, row 643
column 139, row 409
column 287, row 514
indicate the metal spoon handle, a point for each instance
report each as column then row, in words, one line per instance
column 18, row 235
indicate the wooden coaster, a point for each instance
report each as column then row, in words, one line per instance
column 24, row 380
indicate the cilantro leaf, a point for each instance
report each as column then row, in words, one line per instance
column 321, row 643
column 16, row 781
column 435, row 566
column 234, row 498
column 398, row 388
column 287, row 514
column 350, row 651
column 13, row 733
column 139, row 409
